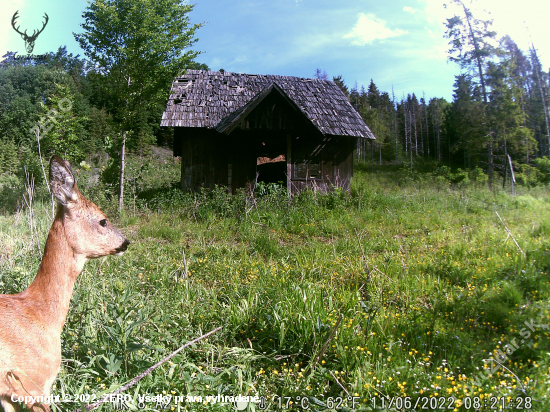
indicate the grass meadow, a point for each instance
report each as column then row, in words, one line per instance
column 404, row 288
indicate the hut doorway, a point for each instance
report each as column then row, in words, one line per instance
column 271, row 170
column 271, row 162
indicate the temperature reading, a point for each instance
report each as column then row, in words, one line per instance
column 303, row 401
column 288, row 402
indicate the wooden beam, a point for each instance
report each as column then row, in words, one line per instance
column 289, row 162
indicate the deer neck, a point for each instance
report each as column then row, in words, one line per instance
column 50, row 292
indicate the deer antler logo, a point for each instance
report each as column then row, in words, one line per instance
column 29, row 40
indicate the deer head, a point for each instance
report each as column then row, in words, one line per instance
column 29, row 40
column 87, row 229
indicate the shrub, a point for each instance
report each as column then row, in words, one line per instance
column 273, row 193
column 334, row 198
column 444, row 171
column 477, row 175
column 543, row 164
column 529, row 175
column 460, row 176
column 440, row 183
column 11, row 189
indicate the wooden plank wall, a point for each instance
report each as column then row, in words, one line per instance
column 209, row 158
column 337, row 164
column 199, row 162
column 206, row 156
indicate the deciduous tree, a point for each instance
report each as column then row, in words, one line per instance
column 139, row 46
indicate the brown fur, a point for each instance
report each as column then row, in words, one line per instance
column 31, row 321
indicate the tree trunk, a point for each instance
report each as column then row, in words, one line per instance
column 491, row 163
column 439, row 139
column 478, row 59
column 122, row 164
column 422, row 136
column 415, row 132
column 411, row 138
column 427, row 133
column 406, row 137
column 372, row 156
column 396, row 135
column 394, row 109
column 380, row 142
column 512, row 177
column 123, row 160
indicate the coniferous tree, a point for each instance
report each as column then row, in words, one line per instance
column 540, row 99
column 9, row 161
column 340, row 83
column 354, row 97
column 373, row 95
column 321, row 74
column 505, row 114
column 363, row 98
column 466, row 122
column 439, row 113
column 472, row 45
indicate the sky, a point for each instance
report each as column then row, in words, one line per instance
column 399, row 44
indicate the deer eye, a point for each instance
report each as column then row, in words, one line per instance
column 103, row 222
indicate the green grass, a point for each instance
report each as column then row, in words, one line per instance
column 420, row 275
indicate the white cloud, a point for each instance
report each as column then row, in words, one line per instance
column 369, row 28
column 410, row 10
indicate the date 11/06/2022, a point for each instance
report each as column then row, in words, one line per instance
column 442, row 403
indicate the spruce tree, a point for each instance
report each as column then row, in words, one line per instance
column 472, row 46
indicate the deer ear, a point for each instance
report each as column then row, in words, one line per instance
column 62, row 181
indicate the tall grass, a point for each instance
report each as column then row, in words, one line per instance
column 415, row 274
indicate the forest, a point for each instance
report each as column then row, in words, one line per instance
column 499, row 109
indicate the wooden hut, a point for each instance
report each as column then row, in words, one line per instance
column 233, row 129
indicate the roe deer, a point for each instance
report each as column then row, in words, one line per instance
column 32, row 321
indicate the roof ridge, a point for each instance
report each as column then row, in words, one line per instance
column 227, row 73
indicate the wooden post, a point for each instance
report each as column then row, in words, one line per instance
column 505, row 175
column 288, row 163
column 512, row 177
column 122, row 164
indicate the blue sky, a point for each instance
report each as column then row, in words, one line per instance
column 398, row 43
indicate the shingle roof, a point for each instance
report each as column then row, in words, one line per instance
column 209, row 99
